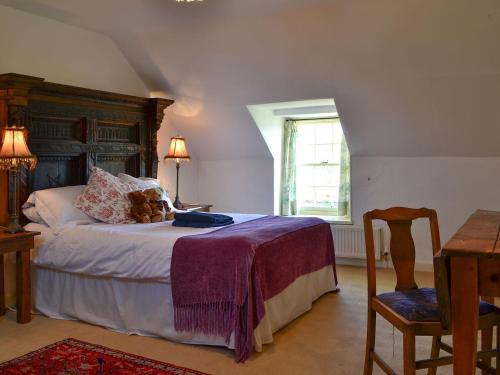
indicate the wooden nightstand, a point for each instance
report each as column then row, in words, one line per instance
column 21, row 244
column 197, row 207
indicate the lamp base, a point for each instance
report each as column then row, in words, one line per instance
column 14, row 228
column 177, row 203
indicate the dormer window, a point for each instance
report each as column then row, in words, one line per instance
column 316, row 169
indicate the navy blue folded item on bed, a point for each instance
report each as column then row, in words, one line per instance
column 202, row 217
column 201, row 220
column 194, row 224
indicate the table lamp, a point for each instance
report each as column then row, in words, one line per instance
column 177, row 152
column 14, row 154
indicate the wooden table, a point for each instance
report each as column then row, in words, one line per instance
column 21, row 244
column 475, row 270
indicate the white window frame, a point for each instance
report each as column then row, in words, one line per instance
column 323, row 212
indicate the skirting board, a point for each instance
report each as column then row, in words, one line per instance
column 421, row 267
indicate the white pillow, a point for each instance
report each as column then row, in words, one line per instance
column 144, row 183
column 141, row 182
column 31, row 212
column 55, row 206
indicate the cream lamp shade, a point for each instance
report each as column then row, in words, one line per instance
column 14, row 154
column 177, row 149
column 177, row 152
column 14, row 151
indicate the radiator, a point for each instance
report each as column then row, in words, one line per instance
column 350, row 242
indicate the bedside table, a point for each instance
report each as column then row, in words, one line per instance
column 21, row 244
column 197, row 207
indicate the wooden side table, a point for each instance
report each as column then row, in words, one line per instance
column 21, row 244
column 197, row 207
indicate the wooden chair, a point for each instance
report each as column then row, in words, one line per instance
column 411, row 310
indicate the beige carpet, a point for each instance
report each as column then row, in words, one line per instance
column 330, row 339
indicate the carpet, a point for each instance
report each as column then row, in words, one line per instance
column 72, row 357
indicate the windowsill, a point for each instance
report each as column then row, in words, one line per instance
column 340, row 220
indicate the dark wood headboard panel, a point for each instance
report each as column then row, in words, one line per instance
column 72, row 129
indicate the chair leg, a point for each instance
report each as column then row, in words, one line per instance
column 497, row 365
column 370, row 341
column 436, row 340
column 409, row 352
column 486, row 343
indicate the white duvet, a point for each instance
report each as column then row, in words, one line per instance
column 128, row 251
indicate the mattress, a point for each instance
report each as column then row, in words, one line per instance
column 118, row 276
column 127, row 251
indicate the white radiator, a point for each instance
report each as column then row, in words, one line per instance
column 349, row 242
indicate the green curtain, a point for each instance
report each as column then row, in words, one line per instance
column 344, row 186
column 289, row 170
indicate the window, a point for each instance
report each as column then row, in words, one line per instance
column 322, row 169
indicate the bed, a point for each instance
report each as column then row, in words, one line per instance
column 138, row 300
column 116, row 276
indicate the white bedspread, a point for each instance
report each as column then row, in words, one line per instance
column 129, row 251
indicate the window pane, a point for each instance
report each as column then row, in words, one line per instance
column 323, row 176
column 306, row 134
column 306, row 175
column 306, row 154
column 337, row 133
column 307, row 197
column 324, row 153
column 324, row 133
column 324, row 196
column 336, row 175
column 336, row 153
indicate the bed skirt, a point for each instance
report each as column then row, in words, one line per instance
column 145, row 308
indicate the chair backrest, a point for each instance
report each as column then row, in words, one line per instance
column 402, row 247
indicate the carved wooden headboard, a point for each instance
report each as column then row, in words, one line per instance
column 72, row 129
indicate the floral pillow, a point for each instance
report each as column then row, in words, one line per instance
column 105, row 198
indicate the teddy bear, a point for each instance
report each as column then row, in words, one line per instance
column 148, row 207
column 140, row 209
column 159, row 207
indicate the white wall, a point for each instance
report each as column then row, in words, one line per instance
column 61, row 53
column 454, row 186
column 244, row 186
column 271, row 128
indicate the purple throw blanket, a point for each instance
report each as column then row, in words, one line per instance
column 221, row 279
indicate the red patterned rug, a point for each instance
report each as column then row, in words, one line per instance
column 72, row 357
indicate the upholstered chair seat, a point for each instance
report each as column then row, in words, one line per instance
column 420, row 305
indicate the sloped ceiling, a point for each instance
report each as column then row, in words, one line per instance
column 410, row 78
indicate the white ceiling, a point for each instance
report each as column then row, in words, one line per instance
column 409, row 77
